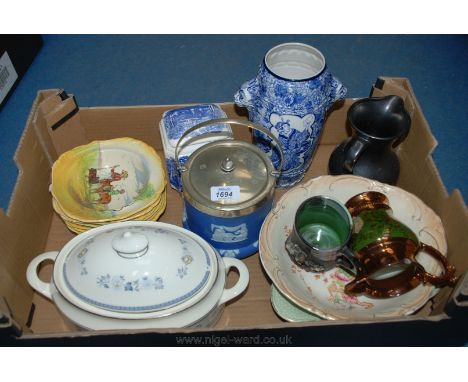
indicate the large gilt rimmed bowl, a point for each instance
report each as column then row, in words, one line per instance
column 323, row 293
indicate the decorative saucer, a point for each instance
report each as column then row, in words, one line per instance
column 287, row 310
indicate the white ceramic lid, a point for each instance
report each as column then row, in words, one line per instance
column 127, row 269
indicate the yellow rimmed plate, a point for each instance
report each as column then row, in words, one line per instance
column 107, row 180
column 152, row 215
column 139, row 214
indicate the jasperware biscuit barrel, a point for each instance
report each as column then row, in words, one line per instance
column 228, row 188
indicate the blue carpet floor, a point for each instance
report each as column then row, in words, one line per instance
column 159, row 69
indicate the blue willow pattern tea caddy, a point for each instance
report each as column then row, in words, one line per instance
column 290, row 97
column 175, row 122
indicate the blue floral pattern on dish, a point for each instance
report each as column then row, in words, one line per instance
column 82, row 261
column 186, row 259
column 120, row 283
column 177, row 121
column 182, row 271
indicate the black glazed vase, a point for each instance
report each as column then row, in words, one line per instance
column 377, row 124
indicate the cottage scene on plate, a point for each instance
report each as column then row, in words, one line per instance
column 348, row 245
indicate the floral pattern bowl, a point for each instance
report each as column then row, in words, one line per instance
column 132, row 270
column 107, row 181
column 323, row 293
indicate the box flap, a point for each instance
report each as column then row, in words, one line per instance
column 24, row 228
column 57, row 123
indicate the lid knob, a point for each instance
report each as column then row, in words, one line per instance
column 227, row 165
column 130, row 244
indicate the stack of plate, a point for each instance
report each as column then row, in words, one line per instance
column 108, row 181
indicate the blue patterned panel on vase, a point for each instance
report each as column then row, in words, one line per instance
column 294, row 112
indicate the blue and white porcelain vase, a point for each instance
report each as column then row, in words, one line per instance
column 290, row 96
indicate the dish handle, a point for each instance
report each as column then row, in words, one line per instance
column 242, row 282
column 33, row 277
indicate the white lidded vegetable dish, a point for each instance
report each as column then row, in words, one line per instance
column 136, row 270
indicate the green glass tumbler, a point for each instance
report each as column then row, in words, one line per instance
column 321, row 231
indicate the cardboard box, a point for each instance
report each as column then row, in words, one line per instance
column 31, row 227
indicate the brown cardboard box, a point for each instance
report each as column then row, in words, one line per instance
column 31, row 227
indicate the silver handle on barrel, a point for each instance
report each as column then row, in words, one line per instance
column 233, row 121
